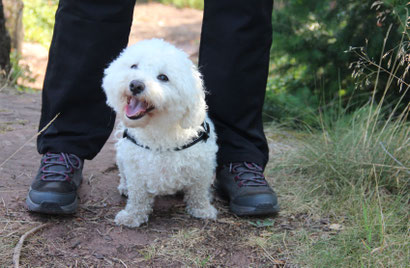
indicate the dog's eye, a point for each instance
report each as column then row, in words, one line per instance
column 163, row 77
column 134, row 66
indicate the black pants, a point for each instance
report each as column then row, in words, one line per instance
column 234, row 58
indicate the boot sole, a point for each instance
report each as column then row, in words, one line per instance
column 49, row 207
column 259, row 210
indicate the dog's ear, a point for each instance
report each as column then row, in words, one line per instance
column 196, row 107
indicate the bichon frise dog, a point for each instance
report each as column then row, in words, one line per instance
column 168, row 143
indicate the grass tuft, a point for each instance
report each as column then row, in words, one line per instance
column 360, row 150
column 346, row 186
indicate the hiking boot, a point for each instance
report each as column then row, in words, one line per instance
column 248, row 191
column 54, row 189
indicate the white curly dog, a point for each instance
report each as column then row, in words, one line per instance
column 167, row 143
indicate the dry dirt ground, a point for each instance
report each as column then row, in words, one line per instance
column 90, row 238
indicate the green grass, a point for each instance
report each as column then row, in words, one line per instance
column 360, row 150
column 355, row 173
column 374, row 234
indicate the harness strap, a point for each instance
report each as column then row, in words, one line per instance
column 203, row 136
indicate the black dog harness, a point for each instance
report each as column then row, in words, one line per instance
column 203, row 136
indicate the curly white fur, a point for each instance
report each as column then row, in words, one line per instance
column 179, row 110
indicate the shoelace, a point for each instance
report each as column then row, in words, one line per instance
column 248, row 174
column 69, row 161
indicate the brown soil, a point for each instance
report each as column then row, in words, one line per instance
column 90, row 238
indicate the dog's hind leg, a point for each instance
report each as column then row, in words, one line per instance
column 198, row 200
column 122, row 187
column 139, row 206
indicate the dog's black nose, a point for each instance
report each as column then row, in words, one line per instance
column 136, row 87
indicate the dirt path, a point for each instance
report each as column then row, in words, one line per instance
column 90, row 238
column 181, row 27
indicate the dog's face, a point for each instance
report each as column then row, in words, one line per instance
column 152, row 82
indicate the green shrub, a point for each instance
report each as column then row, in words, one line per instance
column 308, row 59
column 198, row 4
column 19, row 73
column 38, row 20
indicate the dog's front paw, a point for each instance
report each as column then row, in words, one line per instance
column 130, row 220
column 123, row 190
column 203, row 213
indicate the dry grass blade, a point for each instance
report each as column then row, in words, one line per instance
column 21, row 147
column 269, row 256
column 17, row 249
column 392, row 157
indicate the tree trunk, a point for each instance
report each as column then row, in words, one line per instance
column 4, row 42
column 13, row 11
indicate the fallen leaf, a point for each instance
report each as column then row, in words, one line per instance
column 335, row 226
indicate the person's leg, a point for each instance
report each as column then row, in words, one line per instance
column 88, row 34
column 234, row 60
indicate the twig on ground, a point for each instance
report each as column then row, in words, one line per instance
column 12, row 233
column 19, row 149
column 269, row 256
column 17, row 249
column 120, row 261
column 29, row 222
column 5, row 206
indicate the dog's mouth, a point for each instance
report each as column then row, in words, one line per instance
column 136, row 108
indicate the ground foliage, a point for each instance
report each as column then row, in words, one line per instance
column 313, row 43
column 356, row 172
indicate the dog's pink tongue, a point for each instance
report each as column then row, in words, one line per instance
column 135, row 107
